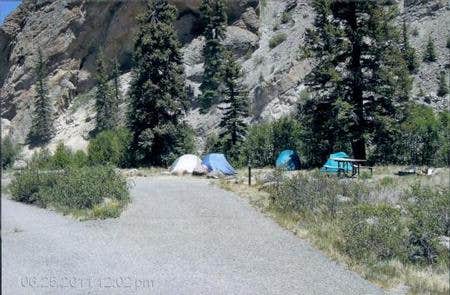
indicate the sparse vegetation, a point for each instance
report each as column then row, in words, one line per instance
column 430, row 52
column 286, row 17
column 443, row 85
column 277, row 40
column 387, row 228
column 109, row 148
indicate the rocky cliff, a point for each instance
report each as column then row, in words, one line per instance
column 70, row 32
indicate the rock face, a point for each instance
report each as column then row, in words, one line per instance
column 69, row 32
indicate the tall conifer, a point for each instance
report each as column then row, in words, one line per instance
column 409, row 53
column 214, row 20
column 157, row 93
column 42, row 129
column 236, row 100
column 360, row 79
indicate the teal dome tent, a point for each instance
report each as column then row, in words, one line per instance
column 289, row 160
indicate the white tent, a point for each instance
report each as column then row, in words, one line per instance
column 186, row 164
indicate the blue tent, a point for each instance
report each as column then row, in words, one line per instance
column 217, row 162
column 332, row 165
column 288, row 159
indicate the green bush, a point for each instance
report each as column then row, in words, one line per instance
column 27, row 186
column 259, row 145
column 109, row 147
column 277, row 40
column 71, row 189
column 286, row 135
column 80, row 159
column 315, row 194
column 286, row 17
column 420, row 139
column 85, row 188
column 41, row 159
column 9, row 152
column 373, row 232
column 62, row 158
column 427, row 214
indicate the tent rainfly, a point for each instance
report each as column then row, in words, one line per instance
column 186, row 164
column 218, row 163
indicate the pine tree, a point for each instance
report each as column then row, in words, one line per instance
column 214, row 21
column 116, row 83
column 360, row 80
column 41, row 130
column 236, row 100
column 443, row 86
column 157, row 92
column 430, row 52
column 105, row 102
column 409, row 53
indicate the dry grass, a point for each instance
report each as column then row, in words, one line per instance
column 325, row 234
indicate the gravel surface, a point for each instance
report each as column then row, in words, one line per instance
column 178, row 236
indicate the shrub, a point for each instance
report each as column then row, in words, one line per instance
column 41, row 159
column 85, row 188
column 9, row 152
column 372, row 231
column 277, row 40
column 62, row 157
column 427, row 214
column 71, row 189
column 315, row 195
column 26, row 186
column 286, row 17
column 259, row 145
column 80, row 159
column 419, row 136
column 443, row 86
column 286, row 135
column 109, row 147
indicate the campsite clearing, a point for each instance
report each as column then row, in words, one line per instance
column 179, row 233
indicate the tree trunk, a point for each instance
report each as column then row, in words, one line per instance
column 358, row 127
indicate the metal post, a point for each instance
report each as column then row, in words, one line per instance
column 249, row 175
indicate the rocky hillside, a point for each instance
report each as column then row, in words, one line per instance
column 70, row 31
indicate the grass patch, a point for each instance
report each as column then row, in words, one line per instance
column 277, row 40
column 389, row 241
column 89, row 192
column 82, row 100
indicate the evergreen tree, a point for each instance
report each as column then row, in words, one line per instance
column 443, row 86
column 409, row 53
column 430, row 52
column 116, row 84
column 236, row 109
column 105, row 102
column 214, row 21
column 157, row 93
column 360, row 80
column 41, row 130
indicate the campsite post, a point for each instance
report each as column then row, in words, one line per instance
column 249, row 171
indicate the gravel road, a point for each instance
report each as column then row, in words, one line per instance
column 178, row 236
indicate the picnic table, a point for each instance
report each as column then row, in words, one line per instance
column 343, row 166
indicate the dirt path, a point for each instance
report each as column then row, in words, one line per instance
column 179, row 236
